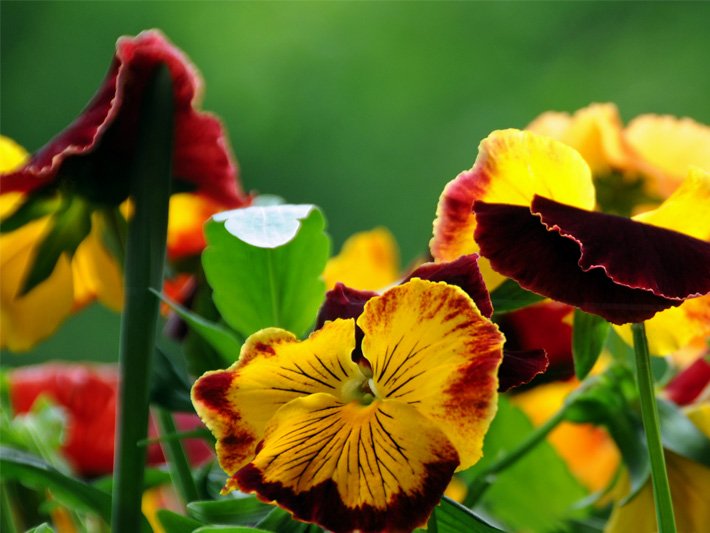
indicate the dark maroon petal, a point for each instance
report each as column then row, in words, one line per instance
column 519, row 367
column 109, row 123
column 689, row 384
column 542, row 326
column 462, row 272
column 344, row 302
column 519, row 246
column 638, row 255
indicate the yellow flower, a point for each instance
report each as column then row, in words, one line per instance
column 368, row 260
column 690, row 487
column 366, row 447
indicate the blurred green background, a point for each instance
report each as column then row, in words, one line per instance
column 366, row 109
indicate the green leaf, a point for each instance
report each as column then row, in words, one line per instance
column 452, row 517
column 176, row 523
column 588, row 337
column 168, row 387
column 220, row 338
column 34, row 206
column 521, row 497
column 230, row 529
column 33, row 472
column 68, row 227
column 154, row 477
column 42, row 528
column 243, row 510
column 280, row 521
column 509, row 296
column 264, row 266
column 680, row 435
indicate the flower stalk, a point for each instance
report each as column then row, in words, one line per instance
column 177, row 460
column 145, row 254
column 651, row 425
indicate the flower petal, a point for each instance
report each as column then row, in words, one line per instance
column 201, row 156
column 512, row 166
column 687, row 210
column 519, row 367
column 367, row 260
column 594, row 131
column 686, row 387
column 521, row 247
column 462, row 272
column 429, row 346
column 349, row 467
column 667, row 147
column 273, row 369
column 640, row 256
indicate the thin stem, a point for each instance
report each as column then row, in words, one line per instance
column 486, row 478
column 145, row 255
column 7, row 520
column 177, row 460
column 651, row 425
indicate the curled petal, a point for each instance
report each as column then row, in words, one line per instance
column 546, row 262
column 349, row 467
column 429, row 346
column 512, row 167
column 108, row 125
column 273, row 369
column 520, row 367
column 462, row 272
column 640, row 256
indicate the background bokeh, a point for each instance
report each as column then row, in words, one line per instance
column 366, row 109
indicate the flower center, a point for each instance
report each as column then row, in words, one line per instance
column 361, row 389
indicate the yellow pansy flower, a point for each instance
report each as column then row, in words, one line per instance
column 368, row 446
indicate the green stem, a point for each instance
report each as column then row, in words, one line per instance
column 7, row 520
column 651, row 425
column 145, row 255
column 177, row 460
column 487, row 476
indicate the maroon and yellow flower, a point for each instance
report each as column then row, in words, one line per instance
column 527, row 204
column 368, row 446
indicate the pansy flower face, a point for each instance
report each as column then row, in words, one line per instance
column 368, row 446
column 531, row 200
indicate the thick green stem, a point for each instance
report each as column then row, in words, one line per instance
column 652, row 428
column 177, row 460
column 145, row 255
column 486, row 478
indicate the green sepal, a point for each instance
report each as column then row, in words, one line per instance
column 264, row 265
column 68, row 227
column 33, row 207
column 223, row 340
column 509, row 296
column 680, row 435
column 589, row 335
column 237, row 511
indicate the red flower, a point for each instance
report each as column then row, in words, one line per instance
column 96, row 148
column 89, row 395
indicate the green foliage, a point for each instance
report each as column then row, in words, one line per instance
column 452, row 517
column 280, row 521
column 680, row 435
column 42, row 528
column 588, row 337
column 239, row 510
column 175, row 523
column 536, row 493
column 264, row 266
column 509, row 296
column 169, row 384
column 34, row 472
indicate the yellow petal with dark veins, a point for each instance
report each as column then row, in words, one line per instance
column 350, row 467
column 429, row 346
column 273, row 369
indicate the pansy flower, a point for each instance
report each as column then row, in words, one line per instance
column 531, row 200
column 359, row 447
column 61, row 223
column 653, row 151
